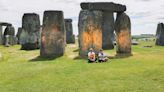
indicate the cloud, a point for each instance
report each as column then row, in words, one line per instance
column 144, row 14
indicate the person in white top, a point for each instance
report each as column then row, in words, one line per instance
column 102, row 57
column 91, row 56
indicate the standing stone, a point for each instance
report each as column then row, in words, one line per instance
column 90, row 31
column 1, row 36
column 123, row 34
column 9, row 34
column 108, row 30
column 31, row 27
column 53, row 34
column 18, row 34
column 69, row 31
column 160, row 34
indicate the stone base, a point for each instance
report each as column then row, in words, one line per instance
column 108, row 47
column 71, row 40
column 29, row 46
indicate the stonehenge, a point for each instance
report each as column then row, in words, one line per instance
column 18, row 34
column 70, row 38
column 108, row 8
column 1, row 36
column 9, row 36
column 160, row 34
column 97, row 28
column 107, row 26
column 30, row 35
column 123, row 34
column 104, row 6
column 90, row 31
column 108, row 30
column 53, row 34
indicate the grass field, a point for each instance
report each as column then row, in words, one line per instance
column 23, row 71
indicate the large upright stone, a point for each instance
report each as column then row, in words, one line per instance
column 104, row 6
column 1, row 36
column 70, row 38
column 160, row 34
column 90, row 31
column 31, row 27
column 123, row 34
column 9, row 36
column 108, row 30
column 53, row 34
column 18, row 34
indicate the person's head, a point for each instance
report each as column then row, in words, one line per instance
column 91, row 49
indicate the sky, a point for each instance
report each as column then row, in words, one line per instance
column 144, row 14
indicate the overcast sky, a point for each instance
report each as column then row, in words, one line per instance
column 144, row 14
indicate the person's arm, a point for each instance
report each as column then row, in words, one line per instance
column 88, row 55
column 94, row 56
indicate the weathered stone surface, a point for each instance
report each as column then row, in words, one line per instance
column 53, row 34
column 1, row 36
column 69, row 31
column 9, row 34
column 73, row 39
column 5, row 24
column 108, row 30
column 15, row 40
column 90, row 31
column 123, row 34
column 25, row 38
column 105, row 6
column 31, row 36
column 18, row 34
column 7, row 40
column 160, row 34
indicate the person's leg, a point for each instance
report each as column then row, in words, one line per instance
column 90, row 61
column 95, row 60
column 106, row 59
column 100, row 61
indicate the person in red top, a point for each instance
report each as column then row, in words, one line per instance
column 91, row 56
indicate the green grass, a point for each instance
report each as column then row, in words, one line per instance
column 22, row 71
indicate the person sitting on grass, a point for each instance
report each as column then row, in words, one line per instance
column 91, row 56
column 102, row 57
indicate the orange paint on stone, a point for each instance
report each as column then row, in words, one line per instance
column 52, row 37
column 92, row 37
column 124, row 40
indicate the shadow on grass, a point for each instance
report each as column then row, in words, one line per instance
column 120, row 56
column 76, row 50
column 117, row 56
column 39, row 58
column 79, row 58
column 28, row 49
